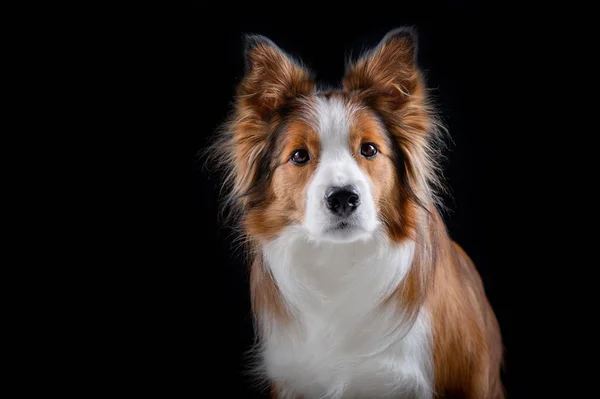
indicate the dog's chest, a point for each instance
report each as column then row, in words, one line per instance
column 334, row 359
column 342, row 343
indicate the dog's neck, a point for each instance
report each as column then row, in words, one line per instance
column 326, row 276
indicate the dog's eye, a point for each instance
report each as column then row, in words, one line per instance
column 368, row 150
column 300, row 157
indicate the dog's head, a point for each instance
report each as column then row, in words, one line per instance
column 339, row 164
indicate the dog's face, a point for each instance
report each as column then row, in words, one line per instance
column 333, row 166
column 338, row 164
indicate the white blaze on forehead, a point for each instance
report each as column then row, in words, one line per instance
column 334, row 119
column 337, row 166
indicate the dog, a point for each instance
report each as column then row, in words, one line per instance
column 357, row 289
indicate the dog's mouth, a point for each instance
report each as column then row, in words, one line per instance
column 342, row 226
column 343, row 231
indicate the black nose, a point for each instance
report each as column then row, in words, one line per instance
column 342, row 201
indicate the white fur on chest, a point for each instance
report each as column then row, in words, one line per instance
column 342, row 342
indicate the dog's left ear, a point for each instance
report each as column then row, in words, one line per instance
column 390, row 69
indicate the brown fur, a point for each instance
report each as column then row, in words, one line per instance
column 264, row 293
column 245, row 143
column 270, row 122
column 387, row 190
column 467, row 343
column 284, row 203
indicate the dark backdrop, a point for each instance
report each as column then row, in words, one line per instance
column 478, row 63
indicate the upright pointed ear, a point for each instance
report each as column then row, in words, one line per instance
column 389, row 70
column 271, row 77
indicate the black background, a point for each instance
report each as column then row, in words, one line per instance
column 484, row 65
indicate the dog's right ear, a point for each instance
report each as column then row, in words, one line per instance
column 271, row 77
